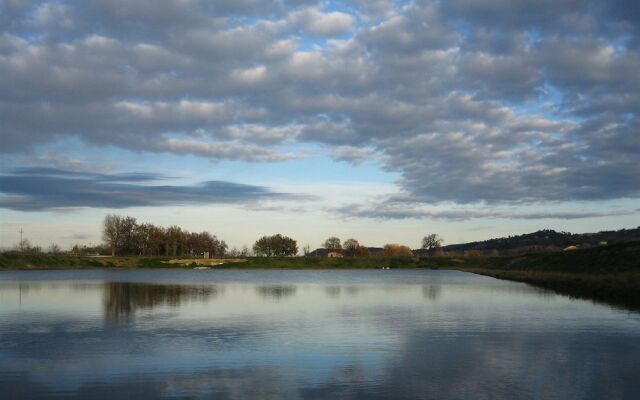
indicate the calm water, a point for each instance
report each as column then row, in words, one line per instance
column 309, row 335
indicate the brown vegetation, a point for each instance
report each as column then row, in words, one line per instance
column 396, row 250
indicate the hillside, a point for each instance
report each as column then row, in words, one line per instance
column 548, row 238
column 606, row 273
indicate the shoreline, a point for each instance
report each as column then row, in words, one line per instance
column 620, row 290
column 609, row 274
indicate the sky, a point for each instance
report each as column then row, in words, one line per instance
column 378, row 120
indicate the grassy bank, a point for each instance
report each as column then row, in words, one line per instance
column 17, row 261
column 45, row 261
column 607, row 273
column 345, row 263
column 620, row 288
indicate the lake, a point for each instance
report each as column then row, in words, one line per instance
column 315, row 334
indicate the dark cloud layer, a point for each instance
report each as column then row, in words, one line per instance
column 34, row 189
column 390, row 210
column 485, row 100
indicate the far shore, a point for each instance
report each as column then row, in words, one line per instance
column 609, row 273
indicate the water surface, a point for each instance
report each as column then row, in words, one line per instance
column 307, row 335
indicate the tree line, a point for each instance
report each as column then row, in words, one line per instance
column 125, row 236
column 352, row 248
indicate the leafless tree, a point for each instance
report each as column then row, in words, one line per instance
column 431, row 241
column 123, row 235
column 333, row 244
column 351, row 247
column 111, row 231
column 54, row 249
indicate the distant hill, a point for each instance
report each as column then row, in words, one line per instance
column 547, row 238
column 544, row 240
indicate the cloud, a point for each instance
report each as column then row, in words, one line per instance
column 353, row 155
column 329, row 24
column 222, row 150
column 389, row 211
column 37, row 189
column 468, row 101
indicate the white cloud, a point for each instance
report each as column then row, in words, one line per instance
column 515, row 108
column 329, row 24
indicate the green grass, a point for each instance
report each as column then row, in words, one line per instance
column 26, row 261
column 46, row 261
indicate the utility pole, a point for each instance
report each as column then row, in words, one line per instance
column 21, row 242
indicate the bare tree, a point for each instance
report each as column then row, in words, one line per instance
column 157, row 240
column 128, row 240
column 143, row 238
column 118, row 232
column 233, row 252
column 431, row 241
column 123, row 235
column 351, row 247
column 175, row 238
column 111, row 231
column 333, row 244
column 25, row 247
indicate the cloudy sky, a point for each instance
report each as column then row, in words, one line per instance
column 380, row 120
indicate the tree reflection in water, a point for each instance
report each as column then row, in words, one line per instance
column 123, row 299
column 276, row 292
column 431, row 292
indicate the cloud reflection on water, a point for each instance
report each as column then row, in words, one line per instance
column 446, row 335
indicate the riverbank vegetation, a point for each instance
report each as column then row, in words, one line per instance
column 123, row 235
column 609, row 273
column 594, row 268
column 47, row 261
